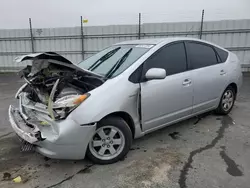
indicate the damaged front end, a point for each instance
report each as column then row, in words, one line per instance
column 54, row 88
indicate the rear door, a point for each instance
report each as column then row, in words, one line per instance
column 170, row 99
column 209, row 76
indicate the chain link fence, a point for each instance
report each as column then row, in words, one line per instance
column 77, row 43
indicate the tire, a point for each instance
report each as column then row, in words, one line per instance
column 106, row 146
column 223, row 109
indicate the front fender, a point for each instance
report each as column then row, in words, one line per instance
column 97, row 106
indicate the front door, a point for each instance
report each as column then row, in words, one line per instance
column 170, row 99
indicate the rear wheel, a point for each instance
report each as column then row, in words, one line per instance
column 111, row 141
column 227, row 101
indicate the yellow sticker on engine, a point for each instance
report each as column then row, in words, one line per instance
column 44, row 123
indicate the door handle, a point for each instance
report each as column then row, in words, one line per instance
column 222, row 72
column 186, row 82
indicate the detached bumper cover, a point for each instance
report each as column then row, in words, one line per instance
column 19, row 125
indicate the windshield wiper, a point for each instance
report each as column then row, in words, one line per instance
column 118, row 64
column 103, row 58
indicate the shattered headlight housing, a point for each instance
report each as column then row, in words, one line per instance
column 69, row 101
column 66, row 104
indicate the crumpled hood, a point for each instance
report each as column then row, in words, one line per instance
column 45, row 55
column 42, row 60
column 53, row 84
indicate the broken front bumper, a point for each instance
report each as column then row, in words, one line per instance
column 27, row 133
column 63, row 139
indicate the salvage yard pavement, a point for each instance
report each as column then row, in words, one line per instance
column 207, row 151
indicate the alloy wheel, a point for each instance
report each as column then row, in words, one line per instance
column 107, row 143
column 227, row 100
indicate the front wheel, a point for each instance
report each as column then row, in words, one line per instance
column 110, row 142
column 227, row 101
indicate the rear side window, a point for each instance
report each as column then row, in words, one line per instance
column 172, row 58
column 222, row 54
column 201, row 55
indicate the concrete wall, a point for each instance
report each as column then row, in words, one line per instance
column 231, row 34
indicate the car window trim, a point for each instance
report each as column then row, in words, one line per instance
column 187, row 60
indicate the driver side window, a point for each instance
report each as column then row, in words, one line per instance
column 171, row 57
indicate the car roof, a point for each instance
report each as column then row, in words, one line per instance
column 143, row 41
column 156, row 41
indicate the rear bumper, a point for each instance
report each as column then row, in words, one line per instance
column 66, row 140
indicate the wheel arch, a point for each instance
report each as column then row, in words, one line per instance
column 219, row 109
column 126, row 117
column 234, row 86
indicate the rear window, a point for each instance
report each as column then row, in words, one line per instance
column 222, row 54
column 201, row 55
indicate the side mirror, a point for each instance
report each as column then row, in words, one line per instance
column 155, row 73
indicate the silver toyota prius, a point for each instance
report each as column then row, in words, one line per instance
column 97, row 107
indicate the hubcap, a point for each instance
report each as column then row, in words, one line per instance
column 107, row 143
column 227, row 100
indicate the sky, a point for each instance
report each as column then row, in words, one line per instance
column 66, row 13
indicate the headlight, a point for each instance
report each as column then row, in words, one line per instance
column 70, row 101
column 64, row 105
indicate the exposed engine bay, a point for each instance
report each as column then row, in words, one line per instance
column 55, row 85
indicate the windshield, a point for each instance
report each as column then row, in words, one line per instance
column 114, row 60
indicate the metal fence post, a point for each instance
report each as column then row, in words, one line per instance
column 31, row 37
column 139, row 27
column 202, row 19
column 82, row 38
